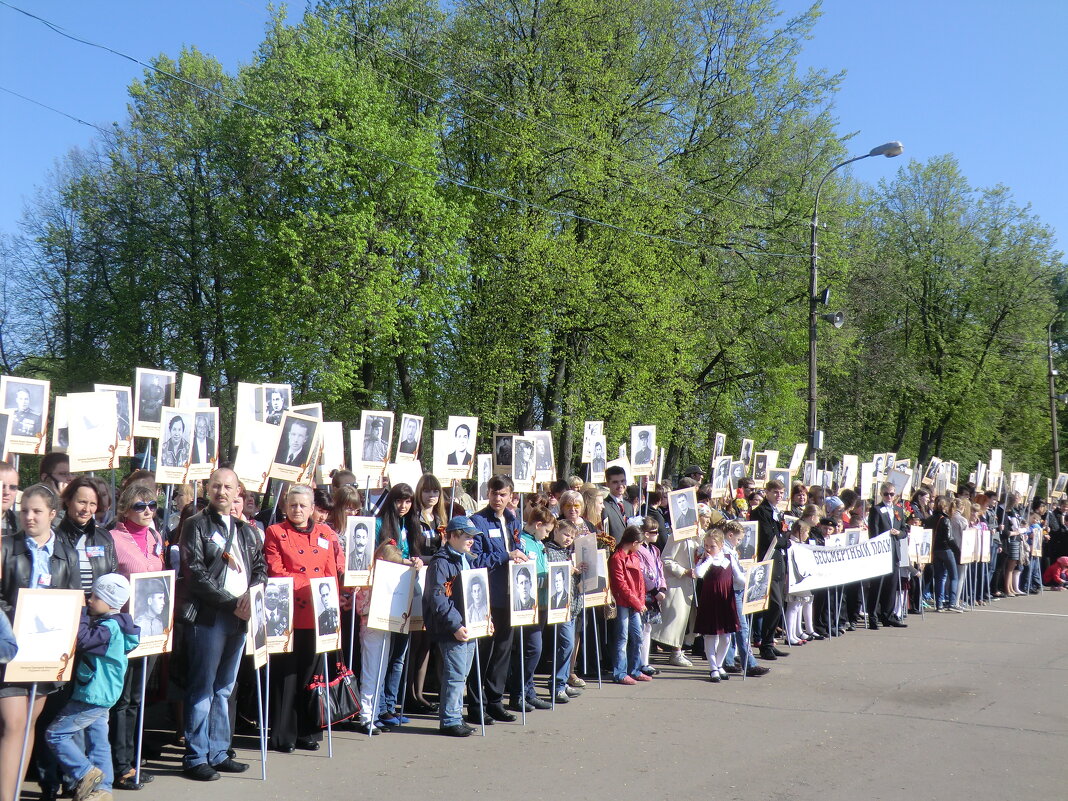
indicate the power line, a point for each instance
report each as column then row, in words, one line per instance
column 78, row 120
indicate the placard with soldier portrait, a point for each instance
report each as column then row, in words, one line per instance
column 377, row 428
column 153, row 389
column 124, row 417
column 278, row 603
column 152, row 609
column 26, row 403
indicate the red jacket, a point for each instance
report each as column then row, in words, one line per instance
column 626, row 580
column 304, row 556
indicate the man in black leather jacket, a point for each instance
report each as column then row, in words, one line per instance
column 221, row 558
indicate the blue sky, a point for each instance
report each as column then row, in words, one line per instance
column 979, row 79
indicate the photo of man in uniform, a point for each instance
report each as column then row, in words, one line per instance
column 150, row 607
column 277, row 611
column 25, row 420
column 327, row 620
column 523, row 590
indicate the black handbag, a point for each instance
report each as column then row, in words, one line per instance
column 344, row 703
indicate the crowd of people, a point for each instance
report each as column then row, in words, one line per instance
column 674, row 601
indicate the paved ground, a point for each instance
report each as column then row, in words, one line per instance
column 970, row 706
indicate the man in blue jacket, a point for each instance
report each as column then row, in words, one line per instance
column 443, row 616
column 496, row 544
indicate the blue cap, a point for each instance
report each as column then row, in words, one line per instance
column 461, row 523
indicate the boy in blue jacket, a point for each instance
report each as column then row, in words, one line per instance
column 105, row 637
column 443, row 616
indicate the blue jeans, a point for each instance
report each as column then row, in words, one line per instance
column 740, row 639
column 565, row 647
column 945, row 563
column 74, row 718
column 456, row 659
column 398, row 651
column 1032, row 577
column 215, row 654
column 628, row 643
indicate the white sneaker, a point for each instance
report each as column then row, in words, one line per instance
column 678, row 659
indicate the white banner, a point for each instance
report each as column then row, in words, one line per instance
column 813, row 567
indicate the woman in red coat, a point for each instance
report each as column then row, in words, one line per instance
column 305, row 550
column 628, row 588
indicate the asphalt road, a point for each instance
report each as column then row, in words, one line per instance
column 970, row 706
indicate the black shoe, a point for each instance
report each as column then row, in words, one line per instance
column 459, row 730
column 895, row 623
column 230, row 765
column 572, row 692
column 851, row 627
column 305, row 744
column 873, row 625
column 732, row 668
column 283, row 749
column 817, row 636
column 474, row 720
column 777, row 652
column 539, row 703
column 757, row 670
column 49, row 792
column 365, row 728
column 515, row 706
column 201, row 773
column 498, row 712
column 417, row 707
column 714, row 678
column 768, row 653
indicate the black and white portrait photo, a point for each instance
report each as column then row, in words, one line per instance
column 358, row 543
column 176, row 444
column 152, row 608
column 272, row 401
column 26, row 400
column 721, row 475
column 747, row 545
column 599, row 460
column 377, row 430
column 591, row 429
column 543, row 454
column 153, row 389
column 205, row 437
column 476, row 601
column 484, row 472
column 523, row 458
column 294, row 448
column 123, row 409
column 559, row 585
column 524, row 587
column 757, row 584
column 502, row 453
column 643, row 445
column 325, row 603
column 411, row 431
column 760, row 467
column 746, row 454
column 683, row 505
column 463, row 438
column 258, row 620
column 278, row 604
column 719, row 446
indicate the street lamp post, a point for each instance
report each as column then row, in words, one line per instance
column 1053, row 398
column 890, row 149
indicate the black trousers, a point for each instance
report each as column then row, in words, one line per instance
column 290, row 674
column 123, row 716
column 773, row 615
column 495, row 658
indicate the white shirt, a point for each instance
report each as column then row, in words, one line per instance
column 235, row 581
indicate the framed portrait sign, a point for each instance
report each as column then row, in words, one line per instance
column 485, row 472
column 26, row 403
column 359, row 543
column 204, row 455
column 153, row 389
column 920, row 540
column 326, row 608
column 502, row 453
column 544, row 463
column 60, row 429
column 152, row 608
column 599, row 463
column 475, row 587
column 377, row 428
column 1059, row 485
column 411, row 434
column 797, row 457
column 968, row 545
column 591, row 429
column 123, row 414
column 332, row 450
column 995, row 460
column 642, row 449
column 597, row 573
column 460, row 446
column 415, row 621
column 5, row 433
column 524, row 465
column 256, row 634
column 782, row 475
column 523, row 592
column 682, row 505
column 719, row 445
column 296, row 448
column 760, row 467
column 985, row 546
column 585, row 553
column 737, row 474
column 559, row 610
column 757, row 588
column 808, row 473
column 391, row 597
column 867, row 480
column 932, row 472
column 850, row 472
column 46, row 627
column 747, row 545
column 721, row 476
column 746, row 454
column 255, row 454
column 244, row 408
column 309, row 409
column 278, row 603
column 176, row 445
column 272, row 402
column 189, row 391
column 91, row 430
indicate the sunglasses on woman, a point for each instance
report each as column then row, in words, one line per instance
column 140, row 506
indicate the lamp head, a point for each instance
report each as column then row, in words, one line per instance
column 890, row 149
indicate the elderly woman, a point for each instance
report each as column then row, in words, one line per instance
column 35, row 557
column 303, row 549
column 572, row 506
column 138, row 549
column 93, row 542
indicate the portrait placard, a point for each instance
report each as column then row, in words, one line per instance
column 781, row 475
column 26, row 403
column 256, row 633
column 189, row 391
column 272, row 402
column 502, row 453
column 1060, row 485
column 747, row 545
column 152, row 608
column 523, row 464
column 176, row 445
column 244, row 408
column 902, row 481
column 359, row 543
column 850, row 471
column 463, row 432
column 411, row 433
column 808, row 474
column 642, row 448
column 969, row 545
column 600, row 595
column 591, row 429
column 598, row 464
column 951, row 480
column 1036, row 544
column 45, row 627
column 721, row 476
column 331, row 450
column 585, row 553
column 377, row 428
column 855, row 535
column 995, row 460
column 544, row 463
column 719, row 445
column 682, row 505
column 278, row 600
column 474, row 584
column 5, row 433
column 797, row 457
column 153, row 389
column 757, row 588
column 523, row 592
column 255, row 453
column 485, row 472
column 773, row 459
column 391, row 597
column 559, row 593
column 932, row 472
column 405, row 473
column 760, row 467
column 124, row 420
column 920, row 540
column 296, row 447
column 746, row 454
column 327, row 614
column 60, row 430
column 867, row 480
column 91, row 427
column 737, row 474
